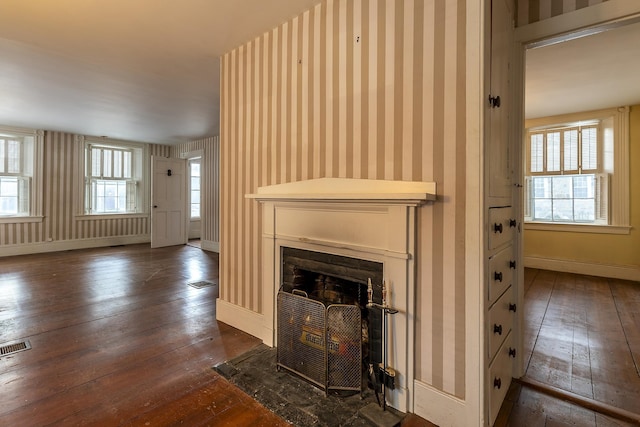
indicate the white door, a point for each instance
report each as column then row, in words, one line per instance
column 169, row 202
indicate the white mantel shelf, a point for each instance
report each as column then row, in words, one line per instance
column 347, row 189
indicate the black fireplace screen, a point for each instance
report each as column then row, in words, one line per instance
column 321, row 344
column 332, row 291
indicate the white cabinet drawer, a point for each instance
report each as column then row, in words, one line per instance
column 502, row 225
column 500, row 321
column 500, row 373
column 501, row 268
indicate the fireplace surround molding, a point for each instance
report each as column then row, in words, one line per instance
column 367, row 219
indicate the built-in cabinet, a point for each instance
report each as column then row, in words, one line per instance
column 501, row 219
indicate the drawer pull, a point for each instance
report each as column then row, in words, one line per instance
column 512, row 265
column 497, row 383
column 512, row 352
column 497, row 329
column 497, row 228
column 513, row 223
column 513, row 307
column 497, row 276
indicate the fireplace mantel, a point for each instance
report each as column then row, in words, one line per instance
column 410, row 193
column 372, row 220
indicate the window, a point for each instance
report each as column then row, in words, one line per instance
column 564, row 183
column 194, row 183
column 113, row 179
column 20, row 152
column 574, row 172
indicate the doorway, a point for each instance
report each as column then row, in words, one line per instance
column 195, row 200
column 578, row 337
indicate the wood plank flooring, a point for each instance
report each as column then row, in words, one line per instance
column 582, row 335
column 119, row 339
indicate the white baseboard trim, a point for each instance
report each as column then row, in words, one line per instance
column 438, row 407
column 246, row 320
column 590, row 269
column 69, row 245
column 210, row 245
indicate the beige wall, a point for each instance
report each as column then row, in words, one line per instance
column 530, row 11
column 607, row 249
column 369, row 89
column 60, row 226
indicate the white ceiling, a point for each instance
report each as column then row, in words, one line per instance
column 589, row 73
column 148, row 70
column 143, row 70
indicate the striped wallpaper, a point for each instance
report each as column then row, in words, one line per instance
column 210, row 183
column 530, row 11
column 370, row 89
column 60, row 189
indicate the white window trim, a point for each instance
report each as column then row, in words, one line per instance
column 187, row 155
column 619, row 216
column 37, row 188
column 81, row 142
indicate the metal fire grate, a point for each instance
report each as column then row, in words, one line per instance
column 12, row 348
column 321, row 344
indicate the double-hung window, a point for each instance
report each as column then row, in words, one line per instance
column 565, row 183
column 113, row 179
column 573, row 167
column 19, row 175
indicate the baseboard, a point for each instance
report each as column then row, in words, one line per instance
column 69, row 245
column 210, row 245
column 246, row 320
column 438, row 407
column 590, row 269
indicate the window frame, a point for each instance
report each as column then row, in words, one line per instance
column 31, row 173
column 191, row 161
column 138, row 181
column 614, row 163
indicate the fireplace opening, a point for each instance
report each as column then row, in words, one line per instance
column 330, row 279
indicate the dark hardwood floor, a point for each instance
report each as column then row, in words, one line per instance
column 119, row 338
column 582, row 342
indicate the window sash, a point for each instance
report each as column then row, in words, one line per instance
column 14, row 195
column 11, row 157
column 109, row 162
column 576, row 198
column 109, row 196
column 572, row 149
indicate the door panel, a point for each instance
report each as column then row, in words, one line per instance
column 169, row 200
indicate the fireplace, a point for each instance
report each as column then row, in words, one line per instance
column 364, row 220
column 330, row 292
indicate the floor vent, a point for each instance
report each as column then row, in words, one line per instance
column 201, row 284
column 15, row 347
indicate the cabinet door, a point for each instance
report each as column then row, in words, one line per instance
column 498, row 102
